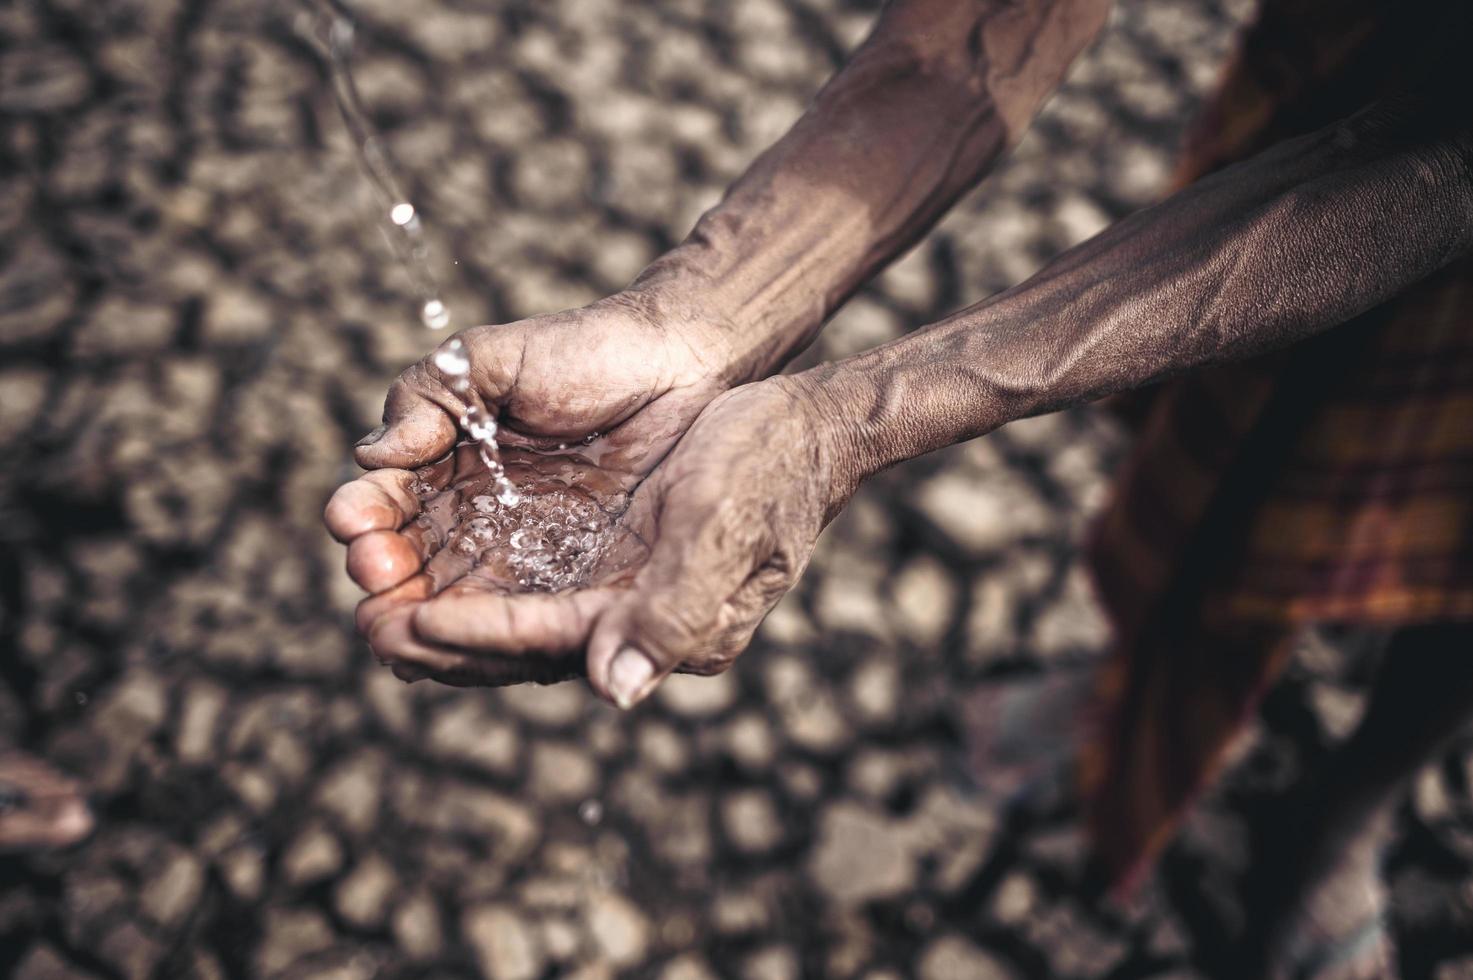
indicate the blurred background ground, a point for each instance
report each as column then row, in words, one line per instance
column 199, row 314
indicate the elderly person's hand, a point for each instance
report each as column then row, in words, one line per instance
column 729, row 520
column 943, row 87
column 1214, row 273
column 632, row 371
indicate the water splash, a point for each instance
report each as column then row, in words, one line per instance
column 454, row 363
column 557, row 537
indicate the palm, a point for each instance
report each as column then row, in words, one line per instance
column 590, row 402
column 710, row 501
column 570, row 535
column 567, row 530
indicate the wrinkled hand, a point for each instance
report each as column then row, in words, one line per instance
column 729, row 518
column 430, row 516
column 635, row 368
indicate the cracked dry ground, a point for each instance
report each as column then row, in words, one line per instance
column 198, row 315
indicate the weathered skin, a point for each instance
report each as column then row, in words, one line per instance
column 920, row 113
column 1284, row 245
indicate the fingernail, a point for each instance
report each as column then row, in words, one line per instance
column 373, row 436
column 629, row 677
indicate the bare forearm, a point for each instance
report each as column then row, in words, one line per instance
column 921, row 111
column 1290, row 243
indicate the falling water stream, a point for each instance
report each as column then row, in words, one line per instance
column 554, row 531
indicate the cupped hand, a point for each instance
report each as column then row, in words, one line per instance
column 724, row 526
column 440, row 530
column 633, row 370
column 626, row 375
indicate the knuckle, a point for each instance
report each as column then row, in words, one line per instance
column 674, row 621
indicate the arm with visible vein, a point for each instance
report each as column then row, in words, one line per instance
column 923, row 108
column 1294, row 241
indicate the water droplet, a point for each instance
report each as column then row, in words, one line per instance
column 452, row 361
column 591, row 812
column 481, row 431
column 489, row 460
column 506, row 493
column 402, row 213
column 461, row 385
column 435, row 314
column 588, row 439
column 340, row 35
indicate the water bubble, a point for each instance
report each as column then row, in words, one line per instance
column 402, row 213
column 483, row 504
column 452, row 361
column 521, row 539
column 435, row 314
column 465, row 546
column 507, row 493
column 591, row 812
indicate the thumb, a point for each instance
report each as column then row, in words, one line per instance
column 674, row 613
column 416, row 429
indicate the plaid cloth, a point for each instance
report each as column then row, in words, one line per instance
column 1332, row 482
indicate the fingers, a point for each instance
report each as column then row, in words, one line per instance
column 377, row 501
column 678, row 608
column 419, row 424
column 421, row 412
column 380, row 560
column 539, row 623
column 395, row 640
column 481, row 639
